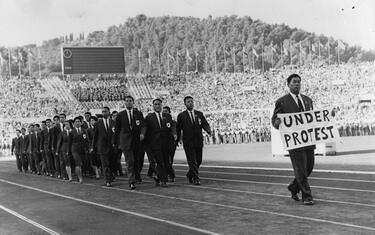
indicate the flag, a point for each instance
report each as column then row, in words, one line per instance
column 244, row 50
column 149, row 58
column 20, row 57
column 188, row 58
column 340, row 44
column 1, row 60
column 286, row 47
column 29, row 54
column 313, row 49
column 170, row 56
column 255, row 53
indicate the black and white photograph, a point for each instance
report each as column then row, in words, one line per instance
column 187, row 117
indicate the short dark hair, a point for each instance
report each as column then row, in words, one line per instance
column 37, row 125
column 114, row 112
column 157, row 99
column 63, row 114
column 93, row 118
column 31, row 125
column 88, row 113
column 167, row 108
column 107, row 108
column 77, row 118
column 48, row 120
column 23, row 129
column 56, row 117
column 187, row 97
column 294, row 75
column 18, row 130
column 130, row 97
column 81, row 117
column 43, row 122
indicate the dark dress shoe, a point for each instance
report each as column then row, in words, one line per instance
column 132, row 186
column 308, row 202
column 294, row 195
column 164, row 185
column 191, row 181
column 108, row 184
column 157, row 181
column 197, row 182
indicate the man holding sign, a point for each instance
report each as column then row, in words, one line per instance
column 302, row 157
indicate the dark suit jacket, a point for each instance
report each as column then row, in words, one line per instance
column 102, row 138
column 192, row 136
column 286, row 104
column 22, row 140
column 64, row 142
column 16, row 145
column 79, row 141
column 30, row 143
column 126, row 136
column 158, row 136
column 55, row 135
column 46, row 136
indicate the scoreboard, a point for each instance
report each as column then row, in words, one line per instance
column 88, row 60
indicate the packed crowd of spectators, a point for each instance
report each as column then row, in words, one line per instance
column 25, row 97
column 238, row 106
column 98, row 88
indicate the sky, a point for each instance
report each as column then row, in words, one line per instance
column 33, row 21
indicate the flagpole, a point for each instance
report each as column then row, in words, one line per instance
column 19, row 63
column 29, row 62
column 271, row 56
column 243, row 60
column 225, row 62
column 300, row 56
column 215, row 62
column 234, row 60
column 139, row 61
column 39, row 57
column 253, row 61
column 338, row 53
column 290, row 51
column 329, row 54
column 168, row 62
column 205, row 57
column 262, row 58
column 281, row 54
column 196, row 60
column 10, row 64
column 178, row 65
column 187, row 61
column 159, row 61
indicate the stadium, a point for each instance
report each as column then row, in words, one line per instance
column 235, row 68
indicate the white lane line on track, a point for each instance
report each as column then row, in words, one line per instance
column 191, row 200
column 246, row 192
column 262, row 194
column 281, row 176
column 32, row 222
column 281, row 169
column 112, row 208
column 283, row 184
column 243, row 208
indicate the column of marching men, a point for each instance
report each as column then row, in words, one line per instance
column 71, row 149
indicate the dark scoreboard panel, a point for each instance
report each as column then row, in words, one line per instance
column 86, row 60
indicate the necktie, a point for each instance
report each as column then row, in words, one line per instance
column 105, row 125
column 159, row 120
column 300, row 106
column 192, row 117
column 131, row 117
column 79, row 131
